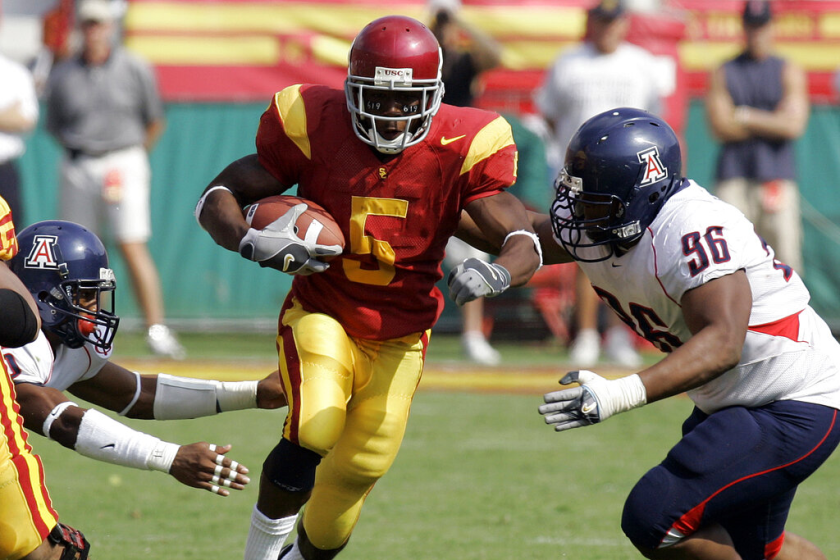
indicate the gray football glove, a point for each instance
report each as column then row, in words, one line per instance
column 277, row 246
column 474, row 278
column 594, row 401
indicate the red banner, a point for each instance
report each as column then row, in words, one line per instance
column 247, row 49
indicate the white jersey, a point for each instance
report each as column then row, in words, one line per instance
column 583, row 82
column 789, row 352
column 35, row 363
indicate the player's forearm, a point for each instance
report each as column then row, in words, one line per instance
column 99, row 437
column 521, row 257
column 218, row 212
column 183, row 397
column 706, row 356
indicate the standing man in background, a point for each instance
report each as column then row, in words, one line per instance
column 467, row 53
column 18, row 115
column 757, row 107
column 601, row 73
column 104, row 109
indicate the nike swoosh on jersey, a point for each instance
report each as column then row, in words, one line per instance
column 444, row 141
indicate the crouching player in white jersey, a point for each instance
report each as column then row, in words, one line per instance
column 65, row 268
column 688, row 273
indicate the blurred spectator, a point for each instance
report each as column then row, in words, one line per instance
column 757, row 107
column 601, row 73
column 18, row 115
column 104, row 109
column 467, row 52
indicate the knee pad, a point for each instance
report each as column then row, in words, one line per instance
column 291, row 467
column 645, row 518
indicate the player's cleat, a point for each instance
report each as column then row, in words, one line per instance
column 285, row 551
column 478, row 350
column 585, row 348
column 618, row 346
column 162, row 341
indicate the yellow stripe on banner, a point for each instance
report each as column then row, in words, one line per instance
column 334, row 19
column 293, row 114
column 341, row 19
column 207, row 51
column 829, row 25
column 527, row 21
column 705, row 56
column 330, row 51
column 489, row 140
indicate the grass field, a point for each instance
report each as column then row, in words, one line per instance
column 479, row 476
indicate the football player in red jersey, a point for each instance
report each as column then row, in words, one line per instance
column 395, row 167
column 29, row 527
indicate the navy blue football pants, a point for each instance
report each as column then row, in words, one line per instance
column 738, row 467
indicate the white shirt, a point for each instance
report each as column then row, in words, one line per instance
column 697, row 238
column 35, row 363
column 583, row 82
column 16, row 86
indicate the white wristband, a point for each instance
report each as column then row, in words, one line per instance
column 236, row 395
column 533, row 237
column 200, row 204
column 102, row 438
column 53, row 416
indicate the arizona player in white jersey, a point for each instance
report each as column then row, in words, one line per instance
column 65, row 268
column 688, row 272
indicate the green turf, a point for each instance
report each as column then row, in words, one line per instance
column 479, row 477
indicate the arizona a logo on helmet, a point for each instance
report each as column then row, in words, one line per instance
column 42, row 254
column 655, row 170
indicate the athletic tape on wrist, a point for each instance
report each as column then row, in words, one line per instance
column 236, row 395
column 53, row 416
column 632, row 393
column 533, row 237
column 200, row 204
column 162, row 456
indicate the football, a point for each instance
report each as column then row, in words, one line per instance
column 314, row 225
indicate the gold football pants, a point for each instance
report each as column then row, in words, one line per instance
column 26, row 513
column 349, row 401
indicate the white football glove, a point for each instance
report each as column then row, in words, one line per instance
column 277, row 246
column 474, row 278
column 594, row 401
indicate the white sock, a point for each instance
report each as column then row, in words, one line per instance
column 295, row 553
column 266, row 536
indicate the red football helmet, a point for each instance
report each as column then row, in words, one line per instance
column 398, row 57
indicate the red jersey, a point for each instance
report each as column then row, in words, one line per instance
column 396, row 212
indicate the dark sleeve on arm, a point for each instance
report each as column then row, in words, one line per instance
column 18, row 324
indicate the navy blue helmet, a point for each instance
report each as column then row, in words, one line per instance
column 620, row 168
column 65, row 268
